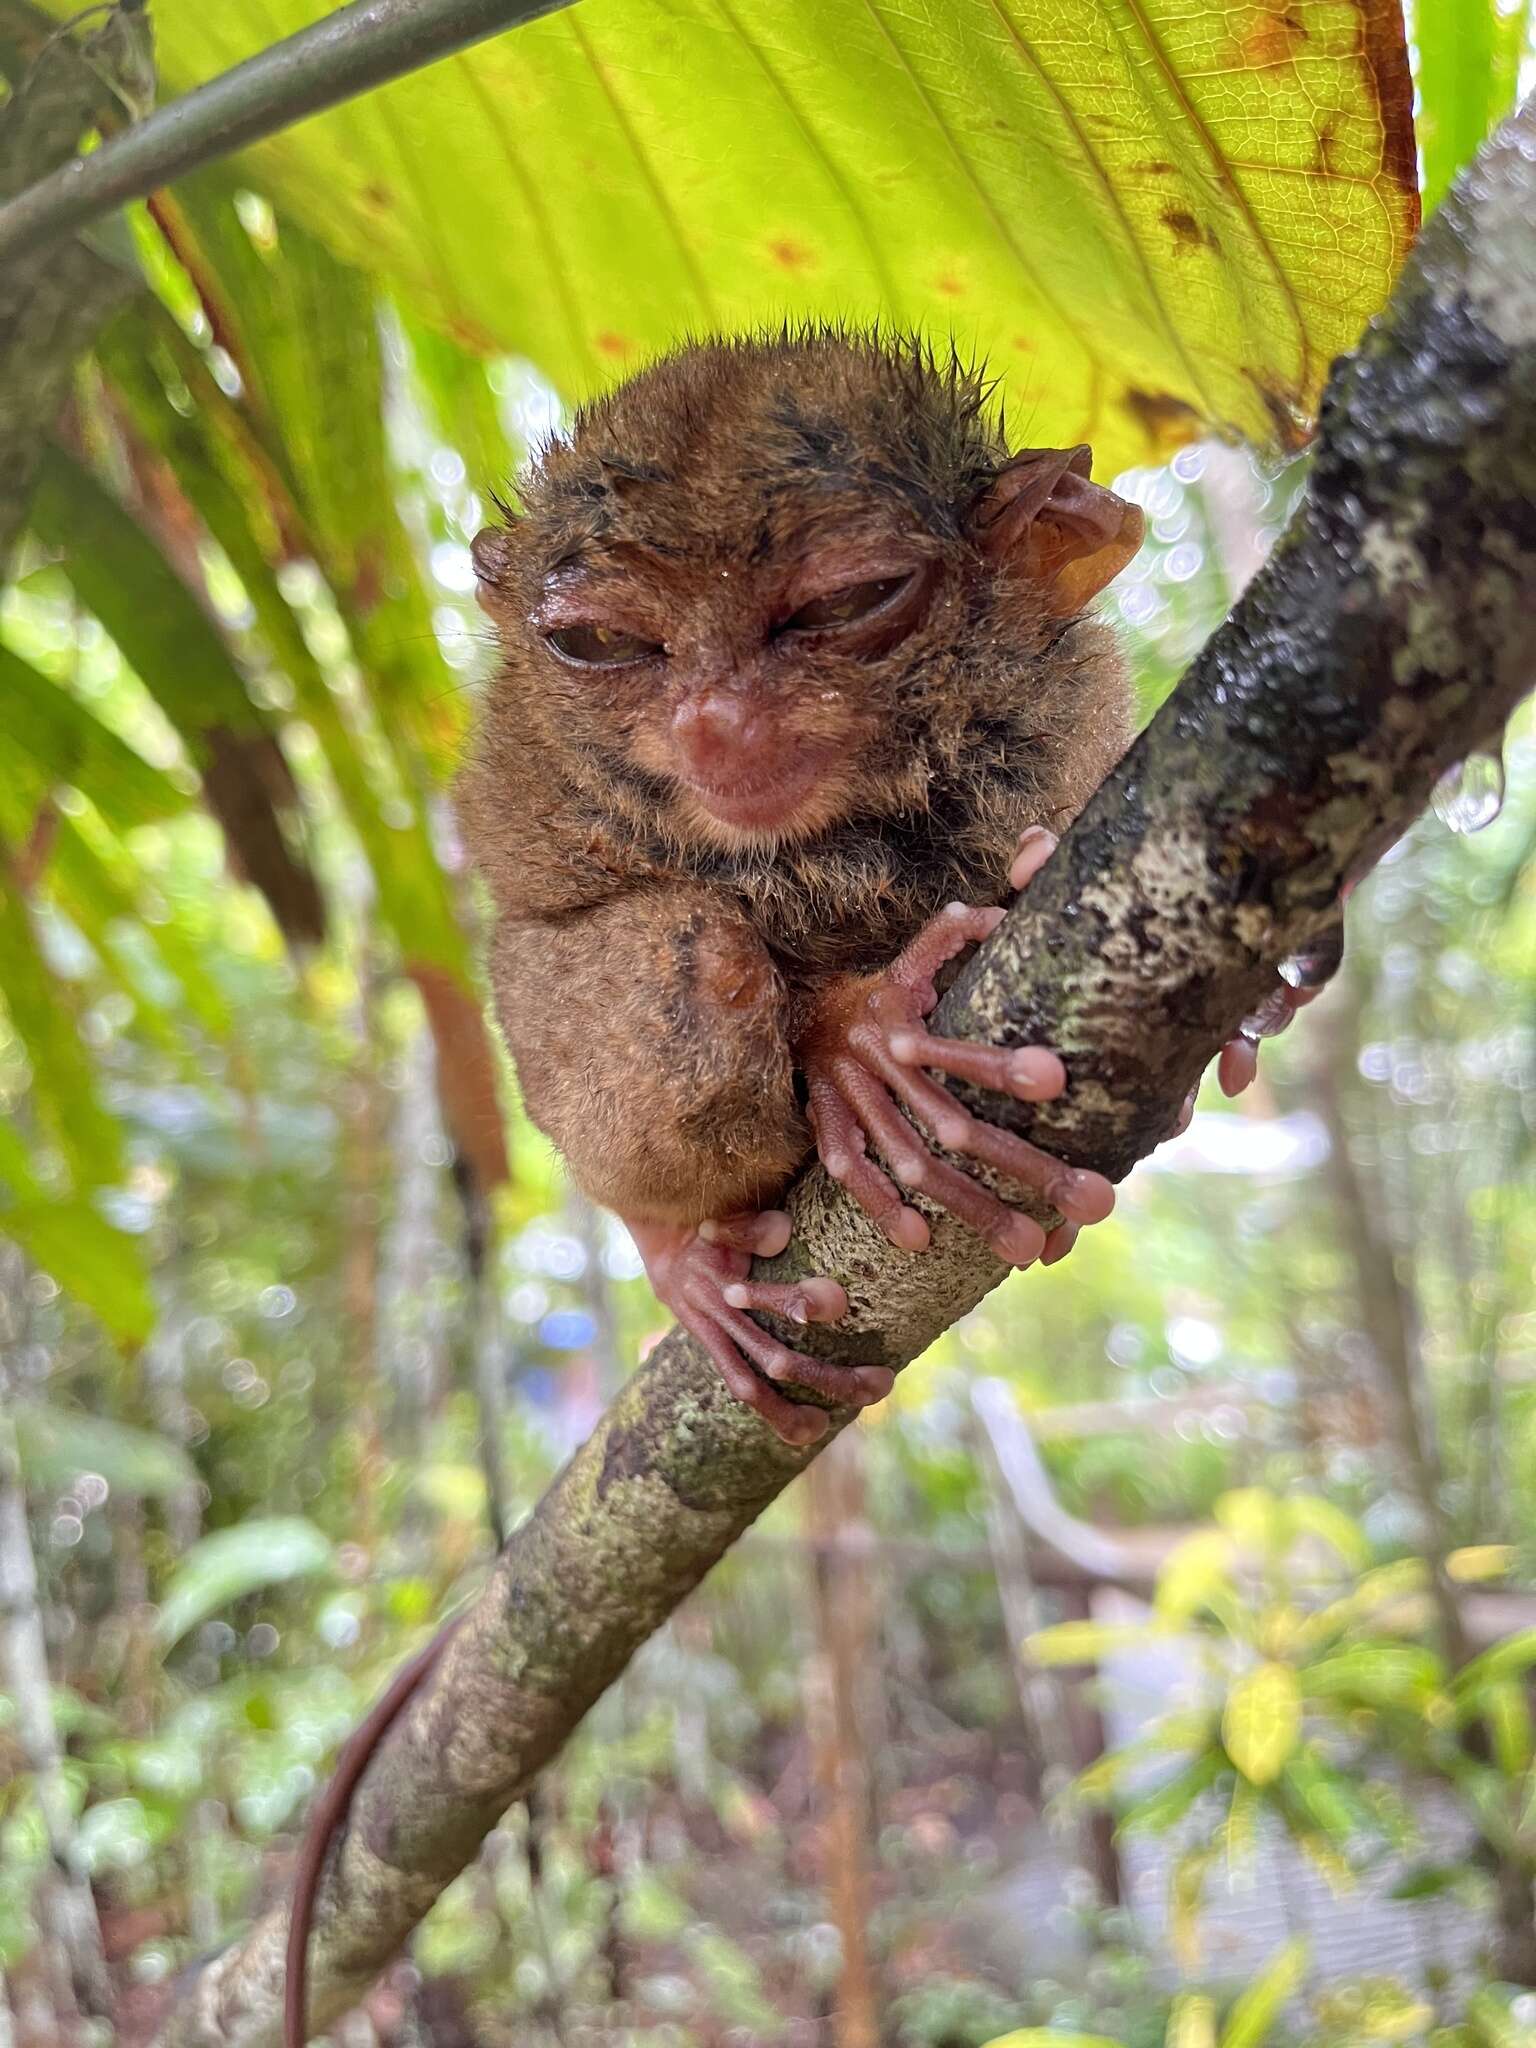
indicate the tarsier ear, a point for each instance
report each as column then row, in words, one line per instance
column 488, row 551
column 1069, row 534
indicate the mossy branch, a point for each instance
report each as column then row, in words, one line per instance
column 1387, row 638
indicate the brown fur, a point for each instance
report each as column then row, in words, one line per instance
column 653, row 967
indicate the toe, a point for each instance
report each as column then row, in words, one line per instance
column 849, row 1386
column 764, row 1232
column 1036, row 845
column 1058, row 1243
column 1237, row 1066
column 802, row 1301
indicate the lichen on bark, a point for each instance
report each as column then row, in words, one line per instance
column 1384, row 640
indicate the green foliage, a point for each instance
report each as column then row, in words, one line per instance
column 1468, row 55
column 123, row 579
column 55, row 1447
column 226, row 1566
column 1192, row 2020
column 255, row 530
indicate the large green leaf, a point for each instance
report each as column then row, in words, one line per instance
column 42, row 1012
column 90, row 1258
column 1261, row 1724
column 218, row 465
column 1251, row 2018
column 56, row 1445
column 68, row 743
column 1048, row 2037
column 231, row 1563
column 118, row 573
column 303, row 330
column 1135, row 208
column 178, row 652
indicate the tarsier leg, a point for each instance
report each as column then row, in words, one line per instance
column 702, row 1276
column 871, row 1051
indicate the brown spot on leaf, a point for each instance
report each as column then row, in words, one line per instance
column 1288, row 414
column 949, row 285
column 615, row 346
column 368, row 583
column 790, row 255
column 1155, row 167
column 1275, row 37
column 379, row 197
column 1187, row 232
column 1167, row 422
column 1325, row 155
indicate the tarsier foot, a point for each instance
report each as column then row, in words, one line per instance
column 702, row 1276
column 871, row 1051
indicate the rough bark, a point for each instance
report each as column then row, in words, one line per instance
column 1387, row 636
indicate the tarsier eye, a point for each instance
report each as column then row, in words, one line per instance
column 601, row 646
column 843, row 607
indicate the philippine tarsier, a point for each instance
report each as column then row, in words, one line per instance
column 797, row 682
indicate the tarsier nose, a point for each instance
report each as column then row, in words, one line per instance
column 713, row 726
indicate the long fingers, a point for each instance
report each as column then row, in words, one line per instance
column 1081, row 1197
column 1028, row 1073
column 1059, row 1242
column 764, row 1232
column 840, row 1142
column 849, row 1386
column 1238, row 1064
column 1011, row 1234
column 802, row 1301
column 788, row 1420
column 1035, row 848
column 957, row 926
column 854, row 1385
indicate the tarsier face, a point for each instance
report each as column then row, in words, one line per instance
column 754, row 563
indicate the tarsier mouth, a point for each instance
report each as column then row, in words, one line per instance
column 770, row 796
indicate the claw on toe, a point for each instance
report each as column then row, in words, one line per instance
column 1036, row 845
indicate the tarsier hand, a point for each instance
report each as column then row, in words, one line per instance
column 870, row 1050
column 868, row 1054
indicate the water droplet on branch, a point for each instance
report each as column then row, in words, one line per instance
column 1470, row 795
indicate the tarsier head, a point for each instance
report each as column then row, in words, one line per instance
column 761, row 583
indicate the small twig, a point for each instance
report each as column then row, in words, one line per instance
column 348, row 52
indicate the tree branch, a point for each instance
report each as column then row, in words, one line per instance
column 1386, row 638
column 348, row 51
